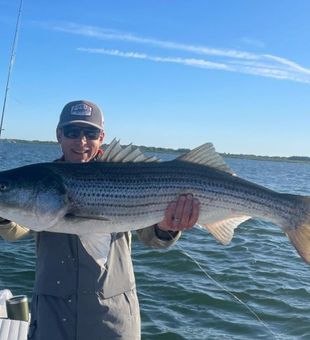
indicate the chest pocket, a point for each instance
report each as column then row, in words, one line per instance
column 56, row 272
column 65, row 268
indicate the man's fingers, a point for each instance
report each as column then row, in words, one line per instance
column 169, row 216
column 182, row 214
column 187, row 211
column 170, row 212
column 179, row 211
column 195, row 213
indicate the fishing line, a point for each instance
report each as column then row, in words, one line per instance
column 276, row 336
column 12, row 58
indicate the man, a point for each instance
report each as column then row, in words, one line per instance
column 75, row 298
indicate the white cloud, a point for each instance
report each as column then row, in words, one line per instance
column 108, row 34
column 231, row 60
column 185, row 61
column 289, row 63
column 257, row 69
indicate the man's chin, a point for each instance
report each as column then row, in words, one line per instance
column 83, row 158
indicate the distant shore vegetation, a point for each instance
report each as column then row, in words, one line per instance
column 184, row 150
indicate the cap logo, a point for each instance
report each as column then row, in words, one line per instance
column 81, row 110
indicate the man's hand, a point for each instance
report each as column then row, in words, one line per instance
column 180, row 215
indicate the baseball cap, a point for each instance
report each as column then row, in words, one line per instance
column 81, row 111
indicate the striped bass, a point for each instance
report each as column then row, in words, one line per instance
column 128, row 192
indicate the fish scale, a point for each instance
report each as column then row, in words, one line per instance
column 147, row 185
column 107, row 196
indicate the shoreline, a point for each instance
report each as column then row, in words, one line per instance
column 294, row 159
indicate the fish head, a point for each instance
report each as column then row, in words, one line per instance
column 33, row 196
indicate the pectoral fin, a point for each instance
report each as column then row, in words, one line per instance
column 80, row 225
column 78, row 218
column 223, row 230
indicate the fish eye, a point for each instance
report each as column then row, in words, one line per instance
column 3, row 186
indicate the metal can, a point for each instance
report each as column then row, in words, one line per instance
column 17, row 308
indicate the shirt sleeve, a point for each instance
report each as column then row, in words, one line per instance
column 11, row 231
column 154, row 237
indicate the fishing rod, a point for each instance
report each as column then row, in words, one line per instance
column 11, row 63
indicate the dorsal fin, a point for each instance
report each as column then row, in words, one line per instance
column 205, row 154
column 123, row 154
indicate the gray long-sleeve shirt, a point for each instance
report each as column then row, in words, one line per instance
column 76, row 299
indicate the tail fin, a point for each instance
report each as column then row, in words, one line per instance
column 300, row 238
column 300, row 235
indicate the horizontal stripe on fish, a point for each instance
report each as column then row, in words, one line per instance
column 120, row 196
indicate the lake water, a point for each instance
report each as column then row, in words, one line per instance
column 179, row 298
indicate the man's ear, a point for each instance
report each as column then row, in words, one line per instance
column 101, row 137
column 58, row 135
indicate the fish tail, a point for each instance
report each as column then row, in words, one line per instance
column 300, row 234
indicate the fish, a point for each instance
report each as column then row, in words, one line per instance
column 129, row 191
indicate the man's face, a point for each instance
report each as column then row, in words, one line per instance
column 79, row 142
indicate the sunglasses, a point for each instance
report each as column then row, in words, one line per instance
column 74, row 132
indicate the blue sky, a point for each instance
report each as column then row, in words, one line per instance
column 166, row 73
